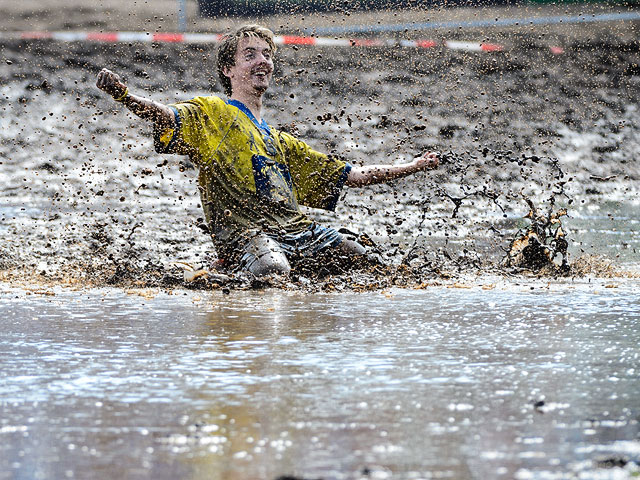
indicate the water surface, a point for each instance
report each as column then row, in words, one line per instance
column 440, row 383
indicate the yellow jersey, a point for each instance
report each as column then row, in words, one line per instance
column 252, row 177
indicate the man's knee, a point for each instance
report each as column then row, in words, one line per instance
column 355, row 254
column 268, row 264
column 263, row 256
column 351, row 247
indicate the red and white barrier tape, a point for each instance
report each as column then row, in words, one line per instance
column 214, row 38
column 147, row 37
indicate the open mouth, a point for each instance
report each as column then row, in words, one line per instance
column 261, row 74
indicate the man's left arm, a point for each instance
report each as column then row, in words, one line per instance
column 372, row 174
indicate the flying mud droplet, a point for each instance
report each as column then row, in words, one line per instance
column 538, row 246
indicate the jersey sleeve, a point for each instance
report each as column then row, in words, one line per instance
column 318, row 178
column 190, row 122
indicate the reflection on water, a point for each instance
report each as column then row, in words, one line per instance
column 438, row 383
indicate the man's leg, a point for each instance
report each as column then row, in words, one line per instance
column 353, row 253
column 351, row 247
column 346, row 254
column 263, row 256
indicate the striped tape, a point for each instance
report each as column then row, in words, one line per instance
column 146, row 37
column 472, row 46
column 114, row 37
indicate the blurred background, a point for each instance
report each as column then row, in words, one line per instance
column 215, row 8
column 282, row 15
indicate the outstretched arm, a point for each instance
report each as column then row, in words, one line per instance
column 145, row 108
column 369, row 175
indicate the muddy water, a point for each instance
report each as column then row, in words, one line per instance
column 439, row 383
column 611, row 229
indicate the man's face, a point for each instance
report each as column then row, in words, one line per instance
column 253, row 69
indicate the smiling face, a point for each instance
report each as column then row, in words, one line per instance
column 253, row 68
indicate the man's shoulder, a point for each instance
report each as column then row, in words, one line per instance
column 205, row 101
column 209, row 106
column 284, row 135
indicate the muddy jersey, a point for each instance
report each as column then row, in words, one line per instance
column 252, row 177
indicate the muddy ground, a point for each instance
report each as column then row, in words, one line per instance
column 86, row 201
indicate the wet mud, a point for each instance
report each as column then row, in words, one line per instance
column 526, row 137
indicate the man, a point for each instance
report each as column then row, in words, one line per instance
column 252, row 178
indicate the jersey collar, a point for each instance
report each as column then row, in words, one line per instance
column 244, row 109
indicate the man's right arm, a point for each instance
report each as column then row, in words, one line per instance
column 145, row 108
column 372, row 174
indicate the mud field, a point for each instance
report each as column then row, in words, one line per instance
column 86, row 201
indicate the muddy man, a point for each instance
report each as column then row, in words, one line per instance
column 253, row 178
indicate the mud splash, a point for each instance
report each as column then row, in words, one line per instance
column 528, row 136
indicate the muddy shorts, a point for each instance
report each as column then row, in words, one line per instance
column 270, row 252
column 307, row 243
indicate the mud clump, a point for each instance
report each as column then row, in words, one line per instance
column 614, row 461
column 537, row 248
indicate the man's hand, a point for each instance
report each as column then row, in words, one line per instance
column 428, row 161
column 110, row 83
column 145, row 108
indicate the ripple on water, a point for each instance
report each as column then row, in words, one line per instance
column 383, row 380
